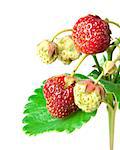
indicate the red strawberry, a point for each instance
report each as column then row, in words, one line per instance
column 60, row 99
column 91, row 35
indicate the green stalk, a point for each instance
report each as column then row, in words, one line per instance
column 80, row 60
column 114, row 44
column 112, row 22
column 110, row 55
column 110, row 51
column 111, row 118
column 60, row 32
column 116, row 24
column 99, row 77
column 97, row 63
column 116, row 75
column 112, row 48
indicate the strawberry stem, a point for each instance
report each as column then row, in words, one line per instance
column 112, row 22
column 97, row 63
column 99, row 77
column 60, row 32
column 82, row 57
column 111, row 118
column 116, row 75
column 112, row 47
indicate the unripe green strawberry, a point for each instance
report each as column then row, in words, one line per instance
column 88, row 96
column 47, row 51
column 109, row 68
column 66, row 50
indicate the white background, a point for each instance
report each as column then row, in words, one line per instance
column 23, row 24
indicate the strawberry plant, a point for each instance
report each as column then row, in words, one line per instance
column 67, row 101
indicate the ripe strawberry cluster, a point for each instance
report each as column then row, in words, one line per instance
column 90, row 35
column 66, row 94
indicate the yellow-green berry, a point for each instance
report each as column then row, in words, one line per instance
column 88, row 96
column 47, row 51
column 66, row 50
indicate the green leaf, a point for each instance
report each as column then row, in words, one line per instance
column 109, row 86
column 94, row 74
column 81, row 76
column 38, row 120
column 118, row 79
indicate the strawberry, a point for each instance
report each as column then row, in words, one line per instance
column 88, row 95
column 59, row 97
column 91, row 35
column 66, row 50
column 47, row 51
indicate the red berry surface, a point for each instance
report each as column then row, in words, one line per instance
column 60, row 100
column 91, row 35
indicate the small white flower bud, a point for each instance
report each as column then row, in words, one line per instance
column 109, row 67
